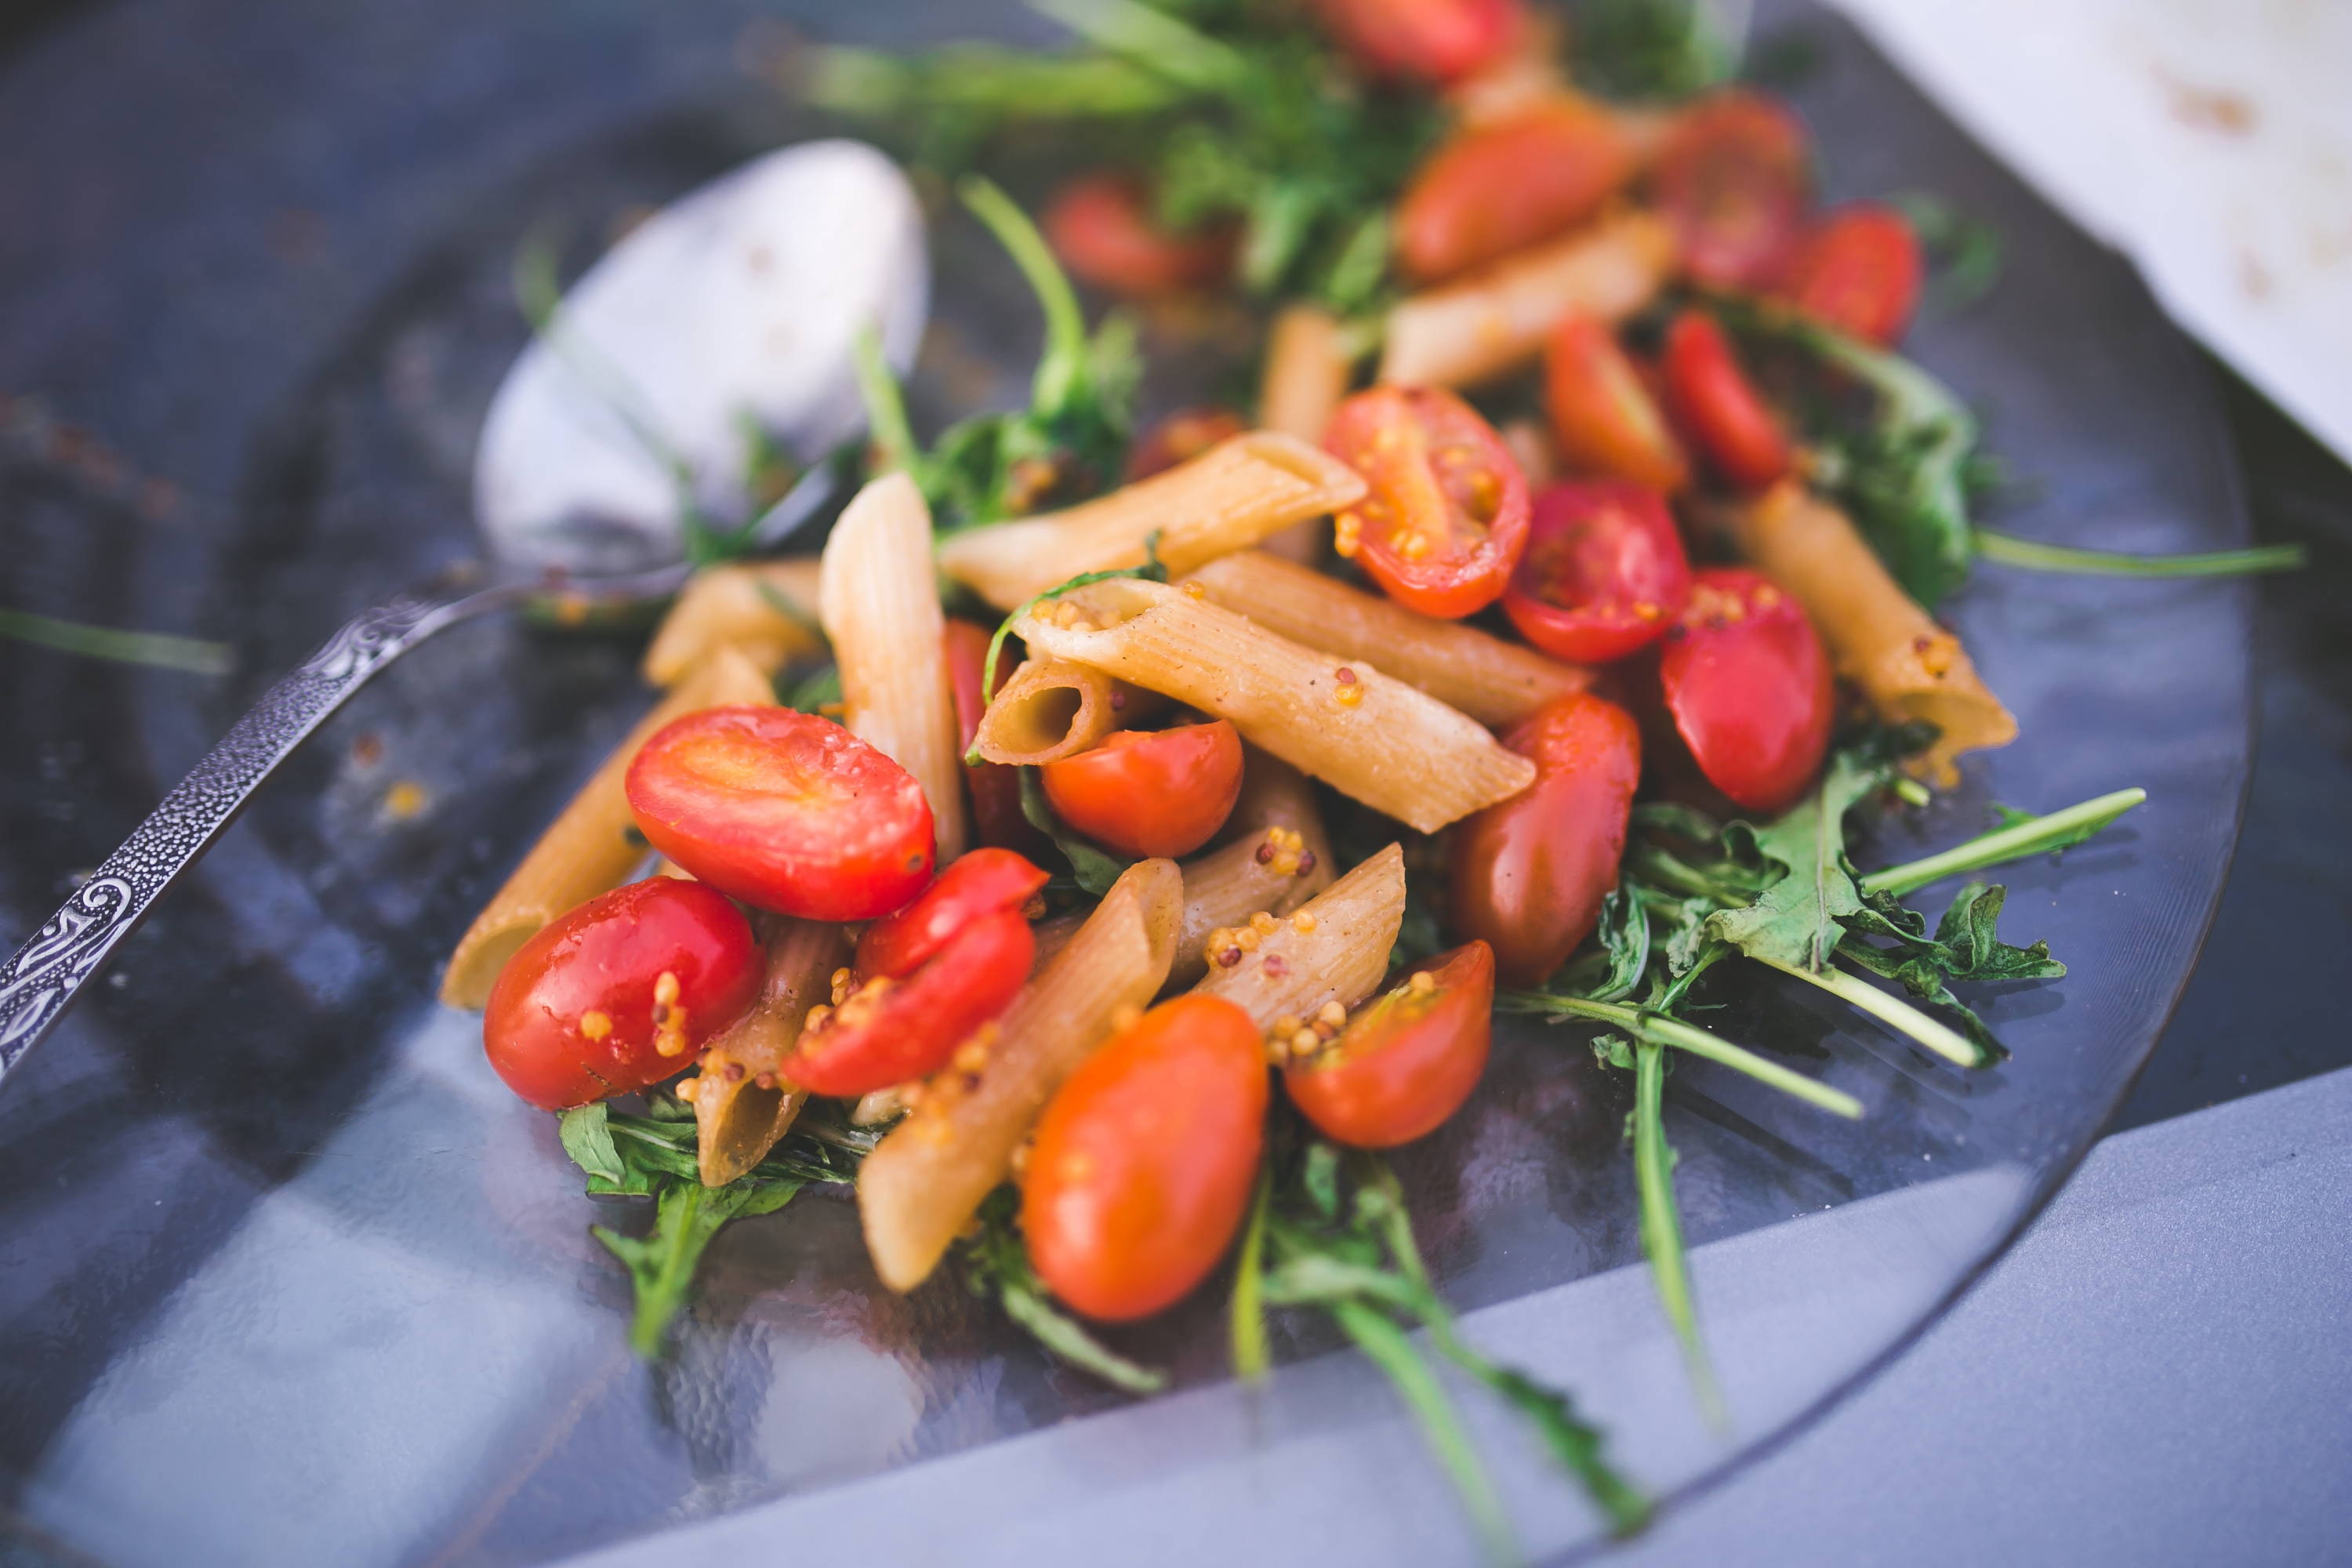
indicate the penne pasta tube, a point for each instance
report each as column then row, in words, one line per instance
column 1234, row 496
column 1307, row 369
column 927, row 1176
column 1497, row 318
column 1050, row 708
column 766, row 608
column 593, row 846
column 1278, row 860
column 741, row 1105
column 1909, row 666
column 1494, row 681
column 1400, row 751
column 1335, row 948
column 880, row 606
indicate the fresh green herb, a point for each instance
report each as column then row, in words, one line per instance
column 1091, row 867
column 1651, row 49
column 816, row 692
column 157, row 650
column 1794, row 918
column 2008, row 550
column 1648, row 1026
column 1963, row 252
column 1246, row 1311
column 2018, row 835
column 999, row 1267
column 661, row 1263
column 1662, row 1225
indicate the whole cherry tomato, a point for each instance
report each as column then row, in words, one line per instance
column 1407, row 1062
column 613, row 997
column 889, row 1031
column 1102, row 227
column 1501, row 186
column 994, row 788
column 1147, row 793
column 1604, row 573
column 1528, row 874
column 1732, row 176
column 1145, row 1158
column 1448, row 512
column 1433, row 40
column 984, row 882
column 785, row 811
column 1749, row 687
column 1603, row 415
column 1718, row 409
column 1859, row 271
column 1180, row 438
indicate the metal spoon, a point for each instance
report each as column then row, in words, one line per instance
column 740, row 300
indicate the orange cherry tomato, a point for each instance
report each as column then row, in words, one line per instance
column 1528, row 874
column 1749, row 690
column 1406, row 1062
column 983, row 883
column 994, row 788
column 613, row 997
column 785, row 811
column 1718, row 408
column 889, row 1031
column 1102, row 227
column 1859, row 271
column 1447, row 515
column 1604, row 575
column 1602, row 416
column 1147, row 793
column 1431, row 40
column 1501, row 186
column 1180, row 438
column 1732, row 176
column 1145, row 1158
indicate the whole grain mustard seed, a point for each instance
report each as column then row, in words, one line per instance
column 595, row 1024
column 1303, row 922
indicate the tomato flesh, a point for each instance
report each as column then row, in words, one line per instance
column 1604, row 573
column 1448, row 512
column 583, row 1012
column 1499, row 187
column 1732, row 177
column 1147, row 793
column 1718, row 408
column 1749, row 685
column 785, row 811
column 1180, row 438
column 1102, row 227
column 1144, row 1160
column 984, row 882
column 1407, row 1062
column 891, row 1031
column 1431, row 40
column 1860, row 272
column 994, row 788
column 1602, row 415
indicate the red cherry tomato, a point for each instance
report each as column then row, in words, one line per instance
column 1144, row 1160
column 1406, row 1062
column 1432, row 41
column 889, row 1031
column 1102, row 227
column 994, row 788
column 1718, row 408
column 615, row 996
column 1447, row 515
column 1749, row 687
column 1604, row 575
column 1146, row 793
column 1528, row 874
column 1180, row 438
column 984, row 882
column 1603, row 415
column 785, row 811
column 1859, row 271
column 1502, row 186
column 1731, row 176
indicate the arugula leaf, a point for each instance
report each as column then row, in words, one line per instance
column 588, row 1140
column 1661, row 1227
column 817, row 691
column 999, row 1267
column 1966, row 946
column 159, row 650
column 661, row 1264
column 1652, row 48
column 1794, row 920
column 2018, row 835
column 1093, row 868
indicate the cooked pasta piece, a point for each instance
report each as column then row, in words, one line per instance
column 1334, row 949
column 766, row 608
column 1531, row 448
column 927, row 1177
column 881, row 608
column 1307, row 369
column 593, row 846
column 741, row 1105
column 1497, row 318
column 1052, row 708
column 1400, row 751
column 1277, row 860
column 1494, row 681
column 1231, row 497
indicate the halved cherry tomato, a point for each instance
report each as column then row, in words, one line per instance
column 984, row 882
column 1528, row 874
column 1102, row 227
column 613, row 996
column 1407, row 1062
column 889, row 1031
column 1499, row 187
column 1718, row 408
column 1147, row 793
column 1859, row 271
column 1180, row 438
column 1144, row 1160
column 1433, row 40
column 785, row 811
column 1731, row 177
column 994, row 788
column 1447, row 515
column 1604, row 573
column 1749, row 687
column 1602, row 415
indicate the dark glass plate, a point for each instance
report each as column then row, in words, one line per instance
column 285, row 1276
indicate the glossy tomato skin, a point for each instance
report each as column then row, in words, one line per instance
column 1732, row 176
column 981, row 883
column 1407, row 1062
column 577, row 1013
column 1145, row 1159
column 1180, row 438
column 785, row 811
column 1604, row 573
column 1749, row 689
column 1150, row 792
column 1431, row 40
column 1501, row 186
column 1859, row 271
column 1718, row 408
column 1102, row 227
column 1603, row 417
column 993, row 788
column 1446, row 515
column 891, row 1032
column 1528, row 874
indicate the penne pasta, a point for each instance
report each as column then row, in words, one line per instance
column 1277, row 860
column 765, row 608
column 1400, row 751
column 1307, row 369
column 1497, row 318
column 881, row 608
column 1052, row 708
column 927, row 1177
column 1234, row 496
column 1335, row 948
column 741, row 1105
column 593, row 846
column 1494, row 681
